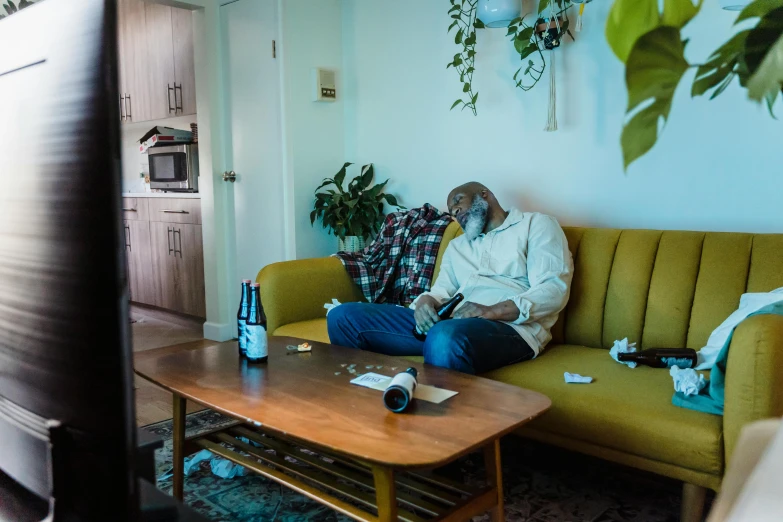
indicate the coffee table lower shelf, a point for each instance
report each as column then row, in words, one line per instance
column 362, row 491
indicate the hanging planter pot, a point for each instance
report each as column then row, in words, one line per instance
column 498, row 13
column 551, row 32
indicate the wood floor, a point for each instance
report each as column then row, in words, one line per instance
column 154, row 329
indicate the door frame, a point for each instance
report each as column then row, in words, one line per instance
column 217, row 208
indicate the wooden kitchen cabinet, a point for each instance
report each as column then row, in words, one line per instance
column 165, row 253
column 134, row 89
column 139, row 255
column 178, row 263
column 184, row 61
column 157, row 73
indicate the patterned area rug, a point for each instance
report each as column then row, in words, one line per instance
column 542, row 484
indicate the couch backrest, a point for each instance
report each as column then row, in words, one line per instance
column 661, row 289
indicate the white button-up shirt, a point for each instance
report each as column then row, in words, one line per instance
column 525, row 260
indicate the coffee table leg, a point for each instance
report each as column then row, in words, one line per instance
column 495, row 477
column 178, row 440
column 385, row 493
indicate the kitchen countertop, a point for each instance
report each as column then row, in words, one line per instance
column 179, row 195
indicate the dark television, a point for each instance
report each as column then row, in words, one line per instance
column 66, row 397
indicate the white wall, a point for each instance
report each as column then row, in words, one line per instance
column 717, row 166
column 311, row 32
column 133, row 162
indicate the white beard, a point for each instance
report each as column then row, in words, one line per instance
column 476, row 218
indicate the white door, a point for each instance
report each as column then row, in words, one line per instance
column 253, row 133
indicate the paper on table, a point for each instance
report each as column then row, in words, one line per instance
column 424, row 392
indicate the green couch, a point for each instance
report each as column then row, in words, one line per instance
column 659, row 289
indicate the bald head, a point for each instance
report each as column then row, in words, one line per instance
column 475, row 200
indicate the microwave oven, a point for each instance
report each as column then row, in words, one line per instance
column 174, row 168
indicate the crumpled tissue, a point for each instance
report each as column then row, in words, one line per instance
column 331, row 306
column 226, row 469
column 221, row 467
column 687, row 381
column 191, row 464
column 576, row 378
column 623, row 347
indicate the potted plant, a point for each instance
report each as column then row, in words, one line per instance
column 355, row 213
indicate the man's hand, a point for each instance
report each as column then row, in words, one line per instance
column 469, row 309
column 425, row 315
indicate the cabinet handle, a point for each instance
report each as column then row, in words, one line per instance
column 168, row 238
column 168, row 95
column 178, row 104
column 128, row 238
column 128, row 107
column 175, row 211
column 129, row 210
column 122, row 108
column 178, row 250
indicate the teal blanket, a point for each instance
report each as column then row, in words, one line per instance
column 711, row 398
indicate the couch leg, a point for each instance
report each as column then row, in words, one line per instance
column 693, row 498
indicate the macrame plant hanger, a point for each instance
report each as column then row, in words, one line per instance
column 551, row 122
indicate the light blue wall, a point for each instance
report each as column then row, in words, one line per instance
column 312, row 38
column 717, row 166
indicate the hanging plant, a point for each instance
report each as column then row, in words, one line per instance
column 463, row 13
column 527, row 40
column 531, row 40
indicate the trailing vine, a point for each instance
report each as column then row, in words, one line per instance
column 526, row 39
column 463, row 12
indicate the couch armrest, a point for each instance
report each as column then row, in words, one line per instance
column 754, row 381
column 295, row 291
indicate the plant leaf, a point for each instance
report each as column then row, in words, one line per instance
column 627, row 21
column 768, row 78
column 340, row 176
column 770, row 99
column 367, row 174
column 475, row 99
column 390, row 199
column 722, row 62
column 455, row 104
column 478, row 24
column 527, row 51
column 466, row 87
column 453, row 24
column 521, row 45
column 459, row 35
column 654, row 69
column 677, row 13
column 326, row 182
column 542, row 4
column 312, row 217
column 12, row 6
column 764, row 55
column 758, row 9
column 454, row 8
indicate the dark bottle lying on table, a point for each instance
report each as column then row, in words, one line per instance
column 662, row 357
column 444, row 311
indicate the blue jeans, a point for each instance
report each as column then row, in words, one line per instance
column 466, row 345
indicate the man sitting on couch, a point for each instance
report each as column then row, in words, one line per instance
column 514, row 269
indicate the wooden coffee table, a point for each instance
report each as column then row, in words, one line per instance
column 350, row 452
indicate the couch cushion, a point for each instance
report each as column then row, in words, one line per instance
column 625, row 409
column 312, row 330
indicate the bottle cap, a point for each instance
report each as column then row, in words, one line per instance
column 248, row 281
column 254, row 285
